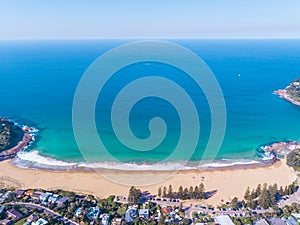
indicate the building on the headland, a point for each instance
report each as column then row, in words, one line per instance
column 224, row 220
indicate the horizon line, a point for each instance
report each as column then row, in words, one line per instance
column 155, row 38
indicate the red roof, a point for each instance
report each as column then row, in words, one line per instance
column 166, row 210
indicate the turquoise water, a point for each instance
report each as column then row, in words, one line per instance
column 39, row 78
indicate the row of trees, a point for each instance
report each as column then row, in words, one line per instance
column 197, row 192
column 266, row 196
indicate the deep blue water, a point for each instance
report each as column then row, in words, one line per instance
column 39, row 78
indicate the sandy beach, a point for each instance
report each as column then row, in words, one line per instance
column 227, row 182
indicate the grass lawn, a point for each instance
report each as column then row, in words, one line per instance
column 21, row 222
column 297, row 168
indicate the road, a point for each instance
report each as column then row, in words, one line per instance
column 291, row 198
column 46, row 210
column 190, row 209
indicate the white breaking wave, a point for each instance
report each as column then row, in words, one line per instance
column 33, row 159
column 229, row 163
column 161, row 166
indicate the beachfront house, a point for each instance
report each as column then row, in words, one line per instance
column 144, row 213
column 45, row 196
column 224, row 220
column 166, row 210
column 93, row 213
column 80, row 198
column 5, row 196
column 20, row 193
column 53, row 198
column 36, row 195
column 60, row 202
column 14, row 214
column 130, row 214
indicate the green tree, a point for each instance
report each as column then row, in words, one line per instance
column 164, row 192
column 159, row 192
column 191, row 192
column 196, row 192
column 202, row 194
column 180, row 192
column 170, row 191
column 247, row 194
column 293, row 158
column 234, row 203
column 185, row 193
column 134, row 195
column 258, row 190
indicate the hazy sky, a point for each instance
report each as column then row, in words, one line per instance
column 31, row 19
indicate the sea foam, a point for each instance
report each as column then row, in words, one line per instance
column 32, row 159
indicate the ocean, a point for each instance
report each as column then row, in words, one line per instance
column 39, row 78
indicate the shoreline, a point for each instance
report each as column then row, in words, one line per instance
column 33, row 160
column 227, row 181
column 27, row 139
column 283, row 94
column 266, row 155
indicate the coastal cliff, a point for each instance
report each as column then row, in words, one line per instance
column 291, row 93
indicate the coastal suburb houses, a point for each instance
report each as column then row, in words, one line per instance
column 40, row 207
